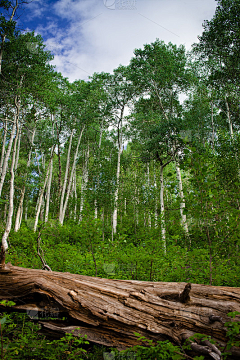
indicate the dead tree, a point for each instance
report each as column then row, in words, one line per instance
column 110, row 311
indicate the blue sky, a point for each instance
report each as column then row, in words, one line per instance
column 88, row 36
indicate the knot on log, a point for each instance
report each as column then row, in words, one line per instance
column 213, row 318
column 184, row 296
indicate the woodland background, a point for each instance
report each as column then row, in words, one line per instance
column 130, row 174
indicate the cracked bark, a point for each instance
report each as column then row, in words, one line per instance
column 110, row 311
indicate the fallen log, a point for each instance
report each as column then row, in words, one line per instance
column 110, row 311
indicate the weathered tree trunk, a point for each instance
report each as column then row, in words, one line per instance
column 110, row 311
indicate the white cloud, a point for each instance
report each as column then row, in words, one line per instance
column 99, row 39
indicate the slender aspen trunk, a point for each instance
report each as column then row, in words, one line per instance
column 156, row 204
column 148, row 182
column 163, row 229
column 213, row 132
column 11, row 192
column 3, row 147
column 95, row 201
column 18, row 147
column 182, row 203
column 49, row 180
column 84, row 184
column 5, row 210
column 5, row 163
column 71, row 176
column 229, row 117
column 75, row 195
column 40, row 199
column 65, row 179
column 114, row 222
column 20, row 206
column 48, row 190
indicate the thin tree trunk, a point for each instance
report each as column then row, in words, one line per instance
column 65, row 179
column 213, row 132
column 182, row 203
column 20, row 206
column 49, row 190
column 5, row 163
column 18, row 147
column 3, row 147
column 11, row 192
column 148, row 182
column 71, row 176
column 229, row 117
column 84, row 184
column 114, row 223
column 163, row 229
column 156, row 203
column 95, row 201
column 42, row 192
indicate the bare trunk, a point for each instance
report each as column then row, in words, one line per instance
column 182, row 203
column 114, row 223
column 163, row 229
column 229, row 117
column 213, row 133
column 40, row 200
column 18, row 147
column 3, row 147
column 156, row 202
column 49, row 190
column 65, row 179
column 148, row 182
column 84, row 183
column 11, row 192
column 95, row 201
column 20, row 206
column 71, row 176
column 5, row 163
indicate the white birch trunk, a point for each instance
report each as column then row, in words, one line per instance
column 229, row 117
column 155, row 210
column 40, row 199
column 3, row 147
column 148, row 181
column 71, row 176
column 5, row 163
column 84, row 184
column 114, row 223
column 75, row 194
column 95, row 201
column 163, row 229
column 18, row 147
column 48, row 190
column 65, row 180
column 182, row 203
column 11, row 192
column 213, row 134
column 20, row 206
